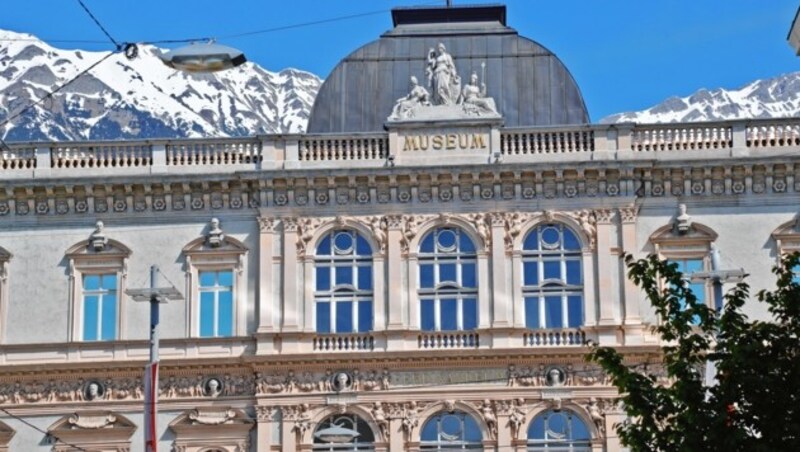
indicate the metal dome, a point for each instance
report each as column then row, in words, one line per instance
column 530, row 84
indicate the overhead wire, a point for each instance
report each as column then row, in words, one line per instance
column 96, row 21
column 46, row 433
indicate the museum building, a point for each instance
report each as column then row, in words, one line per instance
column 419, row 271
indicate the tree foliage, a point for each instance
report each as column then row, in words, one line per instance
column 753, row 403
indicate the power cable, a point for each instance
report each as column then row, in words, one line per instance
column 108, row 35
column 46, row 433
column 51, row 93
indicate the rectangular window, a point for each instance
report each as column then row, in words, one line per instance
column 552, row 270
column 428, row 315
column 426, row 276
column 468, row 278
column 216, row 303
column 530, row 273
column 574, row 311
column 552, row 312
column 573, row 272
column 100, row 307
column 344, row 317
column 470, row 313
column 365, row 278
column 449, row 314
column 447, row 273
column 323, row 317
column 364, row 316
column 532, row 312
column 687, row 267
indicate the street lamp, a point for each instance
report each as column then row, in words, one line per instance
column 203, row 57
column 155, row 296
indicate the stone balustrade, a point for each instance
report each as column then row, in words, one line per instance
column 448, row 339
column 514, row 145
column 343, row 343
column 105, row 155
column 554, row 338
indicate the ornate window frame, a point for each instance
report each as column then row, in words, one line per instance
column 5, row 257
column 212, row 428
column 573, row 414
column 353, row 260
column 92, row 430
column 563, row 256
column 229, row 254
column 694, row 242
column 787, row 238
column 85, row 259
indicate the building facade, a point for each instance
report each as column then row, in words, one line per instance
column 418, row 272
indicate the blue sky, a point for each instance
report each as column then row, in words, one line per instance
column 624, row 54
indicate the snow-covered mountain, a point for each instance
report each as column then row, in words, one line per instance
column 142, row 98
column 777, row 97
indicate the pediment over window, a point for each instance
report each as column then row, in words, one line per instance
column 696, row 234
column 5, row 255
column 787, row 236
column 83, row 249
column 228, row 245
column 223, row 428
column 93, row 430
column 6, row 433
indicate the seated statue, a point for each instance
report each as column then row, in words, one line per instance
column 417, row 96
column 474, row 98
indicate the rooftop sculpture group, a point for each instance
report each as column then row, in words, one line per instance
column 447, row 98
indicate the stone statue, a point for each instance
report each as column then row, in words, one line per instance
column 489, row 417
column 474, row 99
column 404, row 106
column 93, row 391
column 684, row 221
column 442, row 76
column 380, row 418
column 597, row 416
column 555, row 377
column 98, row 239
column 215, row 235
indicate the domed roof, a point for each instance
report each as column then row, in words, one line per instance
column 530, row 85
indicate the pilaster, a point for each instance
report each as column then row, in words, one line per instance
column 628, row 217
column 605, row 284
column 501, row 295
column 291, row 293
column 394, row 263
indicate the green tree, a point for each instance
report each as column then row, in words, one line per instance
column 754, row 402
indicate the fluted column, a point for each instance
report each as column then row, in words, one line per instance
column 394, row 273
column 291, row 293
column 501, row 295
column 628, row 217
column 266, row 274
column 605, row 282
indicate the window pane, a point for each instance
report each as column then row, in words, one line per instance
column 426, row 276
column 206, row 314
column 468, row 275
column 532, row 312
column 427, row 244
column 108, row 324
column 550, row 237
column 110, row 281
column 323, row 317
column 699, row 290
column 364, row 316
column 427, row 317
column 429, row 431
column 472, row 432
column 90, row 313
column 225, row 278
column 536, row 430
column 466, row 244
column 579, row 429
column 531, row 241
column 344, row 275
column 324, row 247
column 470, row 314
column 207, row 279
column 323, row 278
column 574, row 272
column 570, row 240
column 91, row 282
column 552, row 270
column 447, row 273
column 362, row 246
column 552, row 312
column 530, row 273
column 449, row 314
column 344, row 317
column 365, row 278
column 225, row 314
column 693, row 265
column 575, row 310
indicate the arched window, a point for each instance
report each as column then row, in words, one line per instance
column 448, row 289
column 346, row 432
column 451, row 431
column 559, row 431
column 552, row 281
column 343, row 293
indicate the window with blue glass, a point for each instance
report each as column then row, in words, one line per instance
column 343, row 283
column 100, row 307
column 687, row 266
column 559, row 430
column 216, row 303
column 552, row 277
column 448, row 281
column 451, row 431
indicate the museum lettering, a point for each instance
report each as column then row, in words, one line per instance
column 448, row 141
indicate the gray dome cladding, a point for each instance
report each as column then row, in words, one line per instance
column 529, row 83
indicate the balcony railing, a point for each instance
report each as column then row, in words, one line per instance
column 446, row 340
column 554, row 338
column 343, row 343
column 277, row 152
